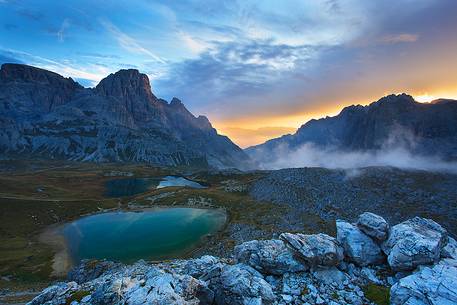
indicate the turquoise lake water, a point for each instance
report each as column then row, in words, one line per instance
column 151, row 234
column 132, row 186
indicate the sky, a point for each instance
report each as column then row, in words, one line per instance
column 257, row 69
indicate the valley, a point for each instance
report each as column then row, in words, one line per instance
column 36, row 195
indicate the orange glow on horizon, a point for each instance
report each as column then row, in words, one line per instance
column 246, row 131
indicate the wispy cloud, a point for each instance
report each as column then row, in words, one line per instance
column 61, row 32
column 398, row 38
column 93, row 73
column 128, row 43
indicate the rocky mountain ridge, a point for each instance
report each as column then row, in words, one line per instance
column 392, row 121
column 45, row 115
column 416, row 260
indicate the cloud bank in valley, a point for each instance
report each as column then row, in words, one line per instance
column 309, row 155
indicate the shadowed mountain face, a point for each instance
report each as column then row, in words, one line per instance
column 45, row 115
column 391, row 122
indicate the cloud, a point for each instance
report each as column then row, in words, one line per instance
column 93, row 73
column 61, row 32
column 98, row 55
column 6, row 58
column 309, row 155
column 232, row 69
column 398, row 38
column 31, row 14
column 398, row 150
column 127, row 42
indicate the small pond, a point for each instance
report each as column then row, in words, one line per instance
column 150, row 234
column 178, row 181
column 131, row 186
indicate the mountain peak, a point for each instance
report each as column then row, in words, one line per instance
column 126, row 83
column 402, row 98
column 25, row 73
column 176, row 102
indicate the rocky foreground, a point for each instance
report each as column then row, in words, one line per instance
column 415, row 259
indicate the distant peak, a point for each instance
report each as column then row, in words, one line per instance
column 396, row 98
column 176, row 102
column 442, row 101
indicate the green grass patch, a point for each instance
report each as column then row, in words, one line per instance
column 77, row 296
column 377, row 294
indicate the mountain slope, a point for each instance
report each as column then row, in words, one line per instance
column 392, row 121
column 45, row 115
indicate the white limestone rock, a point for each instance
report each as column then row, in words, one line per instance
column 374, row 226
column 430, row 286
column 316, row 250
column 450, row 250
column 358, row 247
column 268, row 257
column 240, row 284
column 417, row 241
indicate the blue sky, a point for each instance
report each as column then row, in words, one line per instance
column 256, row 68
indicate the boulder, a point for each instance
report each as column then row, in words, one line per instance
column 430, row 286
column 417, row 241
column 358, row 247
column 315, row 250
column 239, row 284
column 450, row 250
column 268, row 257
column 199, row 266
column 374, row 226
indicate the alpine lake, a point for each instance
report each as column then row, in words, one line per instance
column 129, row 235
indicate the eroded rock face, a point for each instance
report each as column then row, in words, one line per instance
column 374, row 226
column 268, row 257
column 358, row 247
column 47, row 116
column 430, row 286
column 417, row 241
column 315, row 250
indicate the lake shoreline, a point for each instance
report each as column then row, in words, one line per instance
column 63, row 262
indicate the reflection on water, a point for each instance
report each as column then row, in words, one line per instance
column 131, row 186
column 178, row 181
column 150, row 234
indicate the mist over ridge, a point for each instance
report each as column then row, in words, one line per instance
column 394, row 131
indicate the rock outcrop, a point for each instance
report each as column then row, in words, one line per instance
column 47, row 116
column 373, row 225
column 434, row 285
column 298, row 269
column 268, row 257
column 316, row 250
column 358, row 247
column 415, row 242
